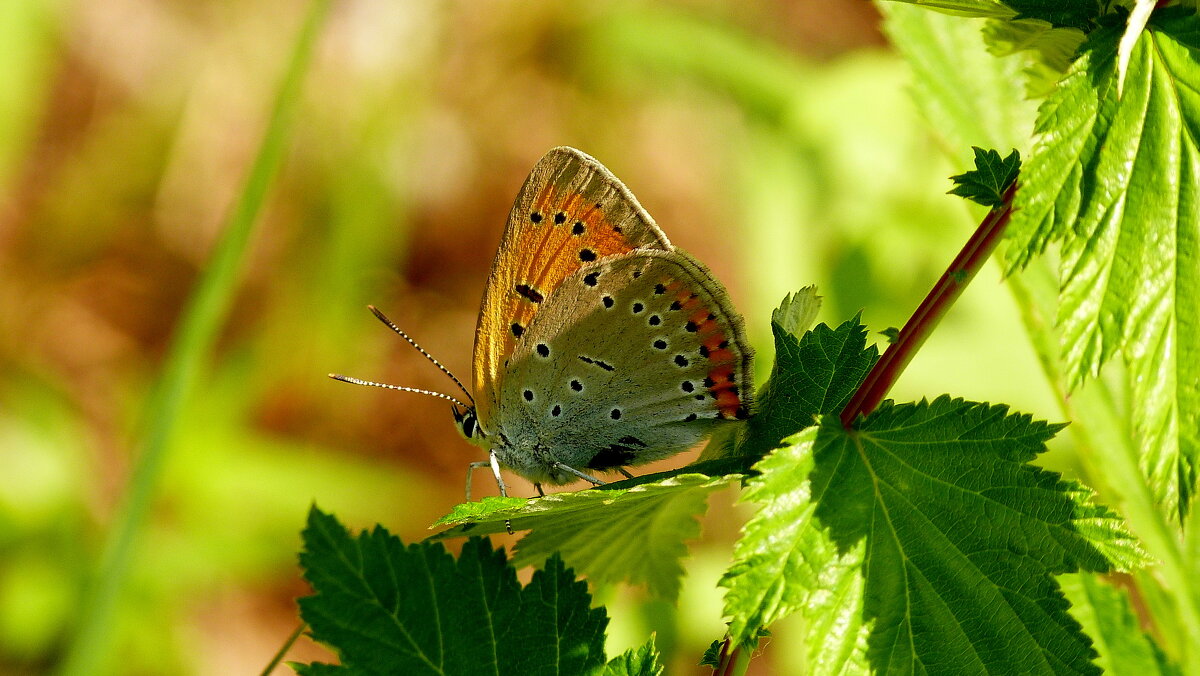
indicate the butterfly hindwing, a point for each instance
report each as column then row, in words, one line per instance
column 570, row 212
column 633, row 358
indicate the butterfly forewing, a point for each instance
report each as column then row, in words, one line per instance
column 633, row 358
column 570, row 212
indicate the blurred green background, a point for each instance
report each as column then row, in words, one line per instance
column 775, row 140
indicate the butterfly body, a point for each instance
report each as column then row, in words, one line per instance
column 599, row 344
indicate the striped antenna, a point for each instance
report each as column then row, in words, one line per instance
column 401, row 388
column 420, row 349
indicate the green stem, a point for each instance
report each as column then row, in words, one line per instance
column 91, row 648
column 287, row 645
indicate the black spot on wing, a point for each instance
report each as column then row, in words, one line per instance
column 615, row 455
column 529, row 293
column 596, row 362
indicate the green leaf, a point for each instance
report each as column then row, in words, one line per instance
column 1114, row 179
column 1052, row 50
column 991, row 177
column 640, row 661
column 967, row 8
column 1058, row 13
column 797, row 311
column 962, row 537
column 388, row 608
column 785, row 562
column 1054, row 47
column 1108, row 618
column 610, row 534
column 813, row 374
column 968, row 96
column 712, row 654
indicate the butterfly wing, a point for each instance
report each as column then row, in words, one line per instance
column 633, row 358
column 570, row 212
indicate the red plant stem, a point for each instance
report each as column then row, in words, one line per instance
column 931, row 310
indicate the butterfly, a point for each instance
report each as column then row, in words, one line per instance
column 600, row 345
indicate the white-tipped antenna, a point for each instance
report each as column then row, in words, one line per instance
column 401, row 388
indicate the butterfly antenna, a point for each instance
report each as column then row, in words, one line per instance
column 420, row 349
column 401, row 388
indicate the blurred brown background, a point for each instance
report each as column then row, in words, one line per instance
column 772, row 139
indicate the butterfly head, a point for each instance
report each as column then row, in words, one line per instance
column 467, row 423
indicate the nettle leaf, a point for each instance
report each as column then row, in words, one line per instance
column 1108, row 618
column 969, row 8
column 610, row 534
column 813, row 374
column 1058, row 13
column 961, row 537
column 1114, row 179
column 1052, row 49
column 785, row 562
column 991, row 177
column 640, row 661
column 388, row 608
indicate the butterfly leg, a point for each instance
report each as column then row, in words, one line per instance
column 495, row 463
column 623, row 472
column 470, row 471
column 571, row 470
column 541, row 493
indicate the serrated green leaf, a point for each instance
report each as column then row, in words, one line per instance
column 1107, row 617
column 1052, row 50
column 962, row 537
column 317, row 669
column 1115, row 179
column 967, row 8
column 387, row 608
column 712, row 654
column 968, row 96
column 797, row 311
column 640, row 661
column 1054, row 47
column 785, row 562
column 991, row 177
column 813, row 374
column 609, row 534
column 1059, row 13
